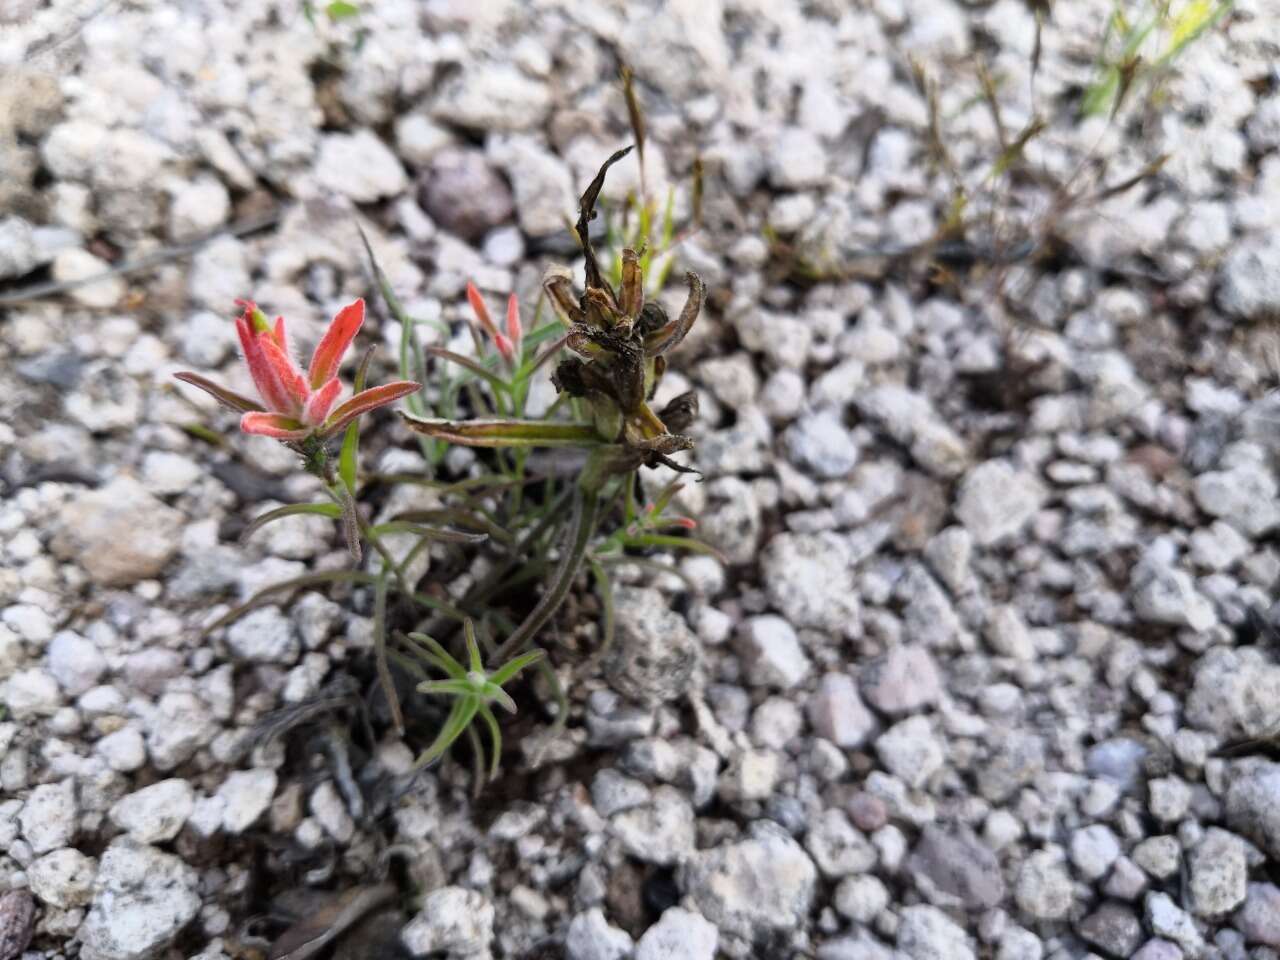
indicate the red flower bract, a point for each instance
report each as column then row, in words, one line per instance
column 296, row 406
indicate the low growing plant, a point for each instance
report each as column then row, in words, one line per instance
column 526, row 519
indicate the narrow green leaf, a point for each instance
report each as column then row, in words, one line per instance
column 604, row 587
column 330, row 510
column 471, row 364
column 473, row 648
column 495, row 734
column 673, row 543
column 505, row 673
column 380, row 653
column 461, row 688
column 459, row 718
column 341, row 10
column 499, row 696
column 430, row 533
column 506, row 433
column 451, row 666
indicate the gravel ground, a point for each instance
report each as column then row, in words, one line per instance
column 1001, row 538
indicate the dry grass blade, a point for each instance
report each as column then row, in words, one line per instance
column 313, row 933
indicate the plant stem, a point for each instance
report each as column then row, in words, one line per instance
column 581, row 526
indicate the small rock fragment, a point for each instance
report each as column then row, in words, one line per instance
column 49, row 817
column 837, row 712
column 926, row 933
column 1113, row 928
column 1219, row 874
column 155, row 813
column 996, row 500
column 910, row 750
column 771, row 652
column 452, row 919
column 119, row 533
column 679, row 934
column 761, row 883
column 142, row 898
column 903, row 680
column 654, row 653
column 1043, row 888
column 63, row 878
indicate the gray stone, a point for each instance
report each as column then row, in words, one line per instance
column 926, row 933
column 911, row 751
column 488, row 96
column 545, row 198
column 1259, row 918
column 18, row 252
column 142, row 898
column 731, row 520
column 264, row 635
column 124, row 750
column 75, row 265
column 904, row 680
column 654, row 653
column 613, row 792
column 1113, row 928
column 463, row 194
column 50, row 815
column 63, row 878
column 180, row 725
column 1253, row 804
column 1249, row 283
column 1017, row 943
column 1118, row 761
column 822, row 444
column 909, row 418
column 661, row 831
column 861, row 898
column 1014, row 759
column 1219, row 874
column 682, row 53
column 809, row 577
column 752, row 775
column 119, row 533
column 246, row 794
column 1168, row 798
column 995, row 500
column 1235, row 693
column 797, row 160
column 1159, row 856
column 771, row 652
column 155, row 813
column 75, row 662
column 590, row 937
column 1166, row 919
column 32, row 693
column 452, row 919
column 955, row 868
column 359, row 166
column 1159, row 949
column 1094, row 849
column 1043, row 888
column 1243, row 495
column 837, row 846
column 1127, row 881
column 837, row 713
column 679, row 934
column 762, row 883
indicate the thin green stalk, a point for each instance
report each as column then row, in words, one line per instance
column 581, row 527
column 380, row 652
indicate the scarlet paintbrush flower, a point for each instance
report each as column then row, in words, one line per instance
column 296, row 405
column 506, row 344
